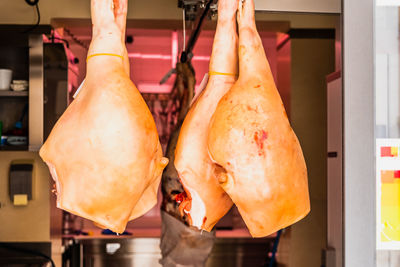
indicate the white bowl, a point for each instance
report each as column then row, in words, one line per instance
column 5, row 79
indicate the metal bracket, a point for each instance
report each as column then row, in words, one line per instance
column 35, row 92
column 192, row 8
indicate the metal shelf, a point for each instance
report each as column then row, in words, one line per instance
column 9, row 93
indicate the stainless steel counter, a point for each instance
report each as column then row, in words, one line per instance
column 145, row 252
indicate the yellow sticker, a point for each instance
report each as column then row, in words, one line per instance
column 394, row 151
column 20, row 200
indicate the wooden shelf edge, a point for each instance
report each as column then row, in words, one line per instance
column 9, row 93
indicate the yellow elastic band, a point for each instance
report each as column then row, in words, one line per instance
column 221, row 73
column 103, row 54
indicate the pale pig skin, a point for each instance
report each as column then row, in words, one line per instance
column 262, row 164
column 104, row 152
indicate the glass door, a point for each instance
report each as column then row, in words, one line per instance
column 387, row 132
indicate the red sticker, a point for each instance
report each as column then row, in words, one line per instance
column 386, row 151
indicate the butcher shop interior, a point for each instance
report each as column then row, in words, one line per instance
column 254, row 133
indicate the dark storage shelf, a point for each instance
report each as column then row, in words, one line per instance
column 16, row 35
column 9, row 93
column 24, row 253
column 13, row 148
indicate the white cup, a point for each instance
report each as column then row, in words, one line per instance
column 5, row 79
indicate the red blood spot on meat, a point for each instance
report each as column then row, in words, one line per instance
column 185, row 204
column 181, row 197
column 204, row 219
column 259, row 138
column 228, row 163
column 264, row 135
column 250, row 108
column 257, row 86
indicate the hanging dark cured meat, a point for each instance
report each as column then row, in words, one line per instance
column 181, row 244
column 182, row 93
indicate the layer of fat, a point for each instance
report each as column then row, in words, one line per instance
column 198, row 210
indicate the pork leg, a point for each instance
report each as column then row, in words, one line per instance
column 262, row 165
column 104, row 153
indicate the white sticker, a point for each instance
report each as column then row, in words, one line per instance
column 201, row 87
column 111, row 248
column 79, row 88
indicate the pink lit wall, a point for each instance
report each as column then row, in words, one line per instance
column 154, row 52
column 152, row 55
